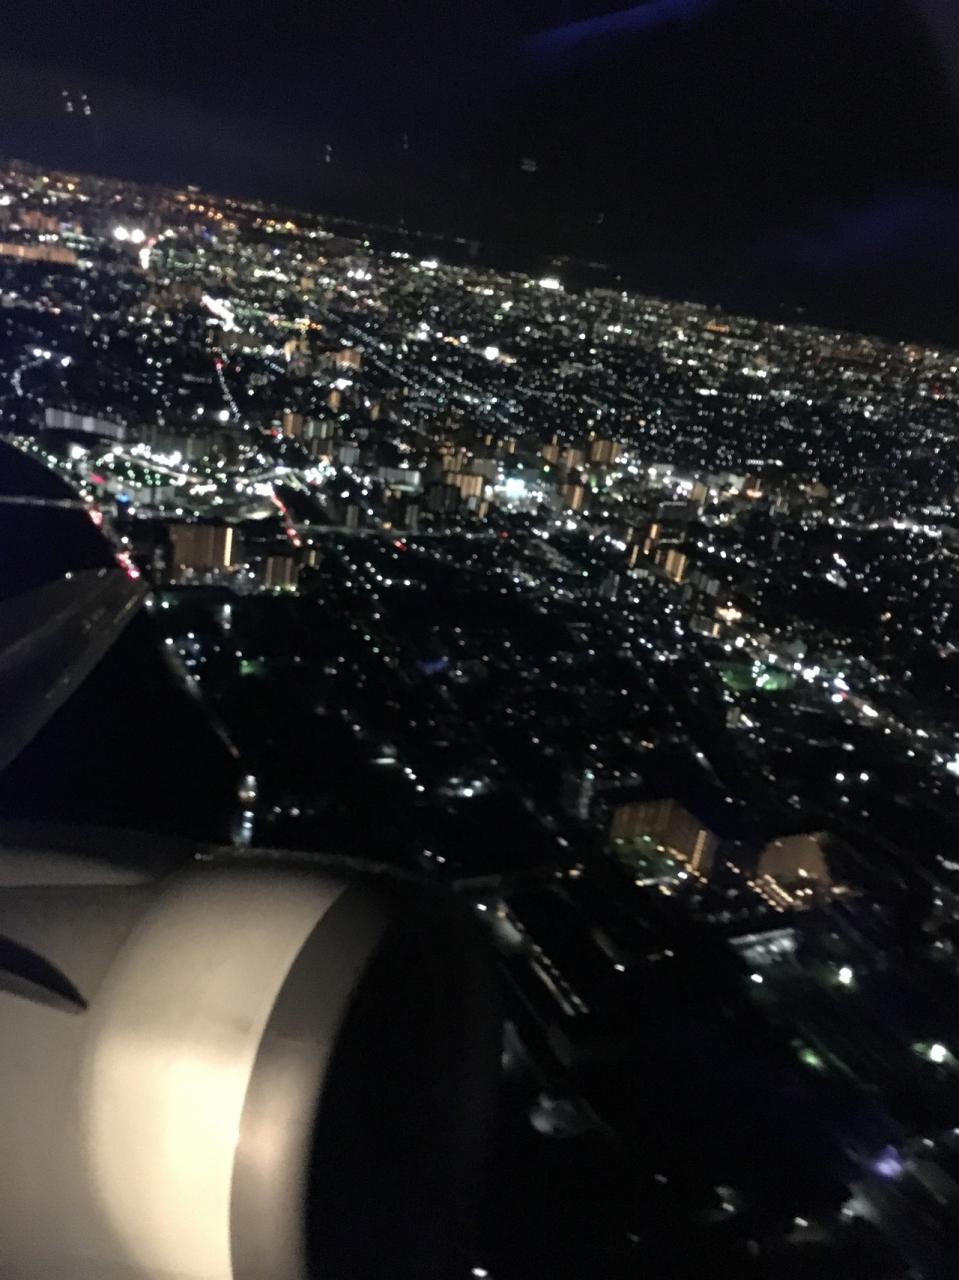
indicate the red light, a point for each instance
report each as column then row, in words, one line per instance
column 399, row 544
column 127, row 565
column 503, row 534
column 96, row 515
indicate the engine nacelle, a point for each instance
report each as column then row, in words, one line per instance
column 247, row 1069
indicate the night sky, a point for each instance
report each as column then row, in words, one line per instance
column 755, row 152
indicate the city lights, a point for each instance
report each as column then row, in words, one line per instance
column 626, row 621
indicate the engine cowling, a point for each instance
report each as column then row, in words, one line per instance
column 241, row 1070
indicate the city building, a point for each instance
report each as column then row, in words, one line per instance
column 201, row 549
column 573, row 494
column 674, row 563
column 579, row 786
column 667, row 823
column 797, row 864
column 52, row 253
column 292, row 423
column 604, row 452
column 280, row 573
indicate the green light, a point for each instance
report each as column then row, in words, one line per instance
column 810, row 1058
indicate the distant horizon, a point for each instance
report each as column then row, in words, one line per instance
column 770, row 158
column 494, row 256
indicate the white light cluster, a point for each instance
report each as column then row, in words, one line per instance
column 222, row 310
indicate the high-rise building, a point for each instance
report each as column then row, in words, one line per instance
column 579, row 786
column 442, row 497
column 573, row 494
column 202, row 548
column 452, row 458
column 296, row 348
column 292, row 423
column 39, row 253
column 318, row 428
column 609, row 587
column 64, row 420
column 652, row 538
column 399, row 479
column 470, row 486
column 605, row 452
column 703, row 581
column 674, row 563
column 796, row 863
column 279, row 572
column 348, row 358
column 667, row 823
column 36, row 220
column 676, row 514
